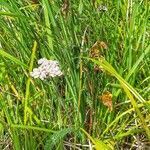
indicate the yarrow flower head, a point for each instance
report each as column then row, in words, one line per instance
column 102, row 8
column 46, row 69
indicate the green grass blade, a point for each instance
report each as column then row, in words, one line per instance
column 102, row 62
column 28, row 83
column 12, row 58
column 32, row 128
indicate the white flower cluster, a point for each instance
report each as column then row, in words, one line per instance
column 102, row 8
column 46, row 69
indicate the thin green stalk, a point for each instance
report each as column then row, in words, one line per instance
column 135, row 66
column 32, row 128
column 28, row 83
column 47, row 23
column 133, row 102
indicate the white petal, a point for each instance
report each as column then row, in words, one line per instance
column 40, row 61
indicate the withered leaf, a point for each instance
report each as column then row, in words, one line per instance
column 65, row 7
column 96, row 53
column 106, row 99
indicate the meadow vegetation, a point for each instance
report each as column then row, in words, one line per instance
column 101, row 101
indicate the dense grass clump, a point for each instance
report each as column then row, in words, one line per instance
column 101, row 101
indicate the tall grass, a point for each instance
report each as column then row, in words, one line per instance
column 67, row 112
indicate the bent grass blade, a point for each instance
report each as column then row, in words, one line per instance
column 127, row 88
